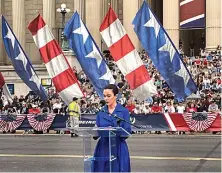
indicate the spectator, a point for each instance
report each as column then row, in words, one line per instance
column 169, row 108
column 34, row 110
column 191, row 108
column 130, row 106
column 213, row 107
column 180, row 108
column 156, row 108
column 57, row 106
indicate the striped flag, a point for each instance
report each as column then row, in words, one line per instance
column 5, row 88
column 88, row 54
column 190, row 15
column 199, row 121
column 126, row 57
column 20, row 61
column 163, row 53
column 59, row 70
column 41, row 122
column 3, row 123
column 11, row 122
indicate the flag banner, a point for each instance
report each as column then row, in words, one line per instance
column 163, row 53
column 40, row 122
column 59, row 70
column 88, row 54
column 126, row 57
column 147, row 122
column 21, row 62
column 190, row 15
column 11, row 122
column 199, row 121
column 4, row 87
column 3, row 123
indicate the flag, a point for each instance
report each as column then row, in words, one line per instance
column 4, row 87
column 11, row 122
column 126, row 57
column 3, row 123
column 20, row 61
column 88, row 54
column 190, row 15
column 199, row 121
column 41, row 122
column 163, row 53
column 59, row 70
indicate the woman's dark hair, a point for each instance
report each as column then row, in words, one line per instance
column 113, row 88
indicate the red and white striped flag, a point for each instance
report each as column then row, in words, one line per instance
column 199, row 121
column 5, row 88
column 13, row 122
column 56, row 63
column 41, row 122
column 126, row 57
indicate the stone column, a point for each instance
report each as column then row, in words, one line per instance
column 79, row 6
column 49, row 12
column 94, row 18
column 114, row 5
column 105, row 7
column 18, row 20
column 213, row 24
column 130, row 8
column 106, row 4
column 171, row 20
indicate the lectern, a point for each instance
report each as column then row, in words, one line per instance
column 87, row 133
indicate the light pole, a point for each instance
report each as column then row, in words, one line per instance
column 63, row 10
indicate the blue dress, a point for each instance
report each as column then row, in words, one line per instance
column 122, row 163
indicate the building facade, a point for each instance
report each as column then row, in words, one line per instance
column 19, row 13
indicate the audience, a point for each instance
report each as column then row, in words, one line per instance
column 204, row 68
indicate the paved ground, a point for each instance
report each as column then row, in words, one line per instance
column 149, row 153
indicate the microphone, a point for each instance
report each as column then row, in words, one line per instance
column 119, row 119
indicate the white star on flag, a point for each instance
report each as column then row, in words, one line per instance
column 82, row 30
column 168, row 47
column 95, row 54
column 183, row 73
column 22, row 58
column 108, row 76
column 10, row 36
column 35, row 79
column 153, row 23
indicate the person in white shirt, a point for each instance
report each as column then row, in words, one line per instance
column 169, row 108
column 180, row 108
column 213, row 107
column 146, row 109
column 5, row 101
column 137, row 109
column 57, row 106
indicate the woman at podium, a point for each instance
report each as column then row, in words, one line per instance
column 105, row 118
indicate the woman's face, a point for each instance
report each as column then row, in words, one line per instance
column 109, row 97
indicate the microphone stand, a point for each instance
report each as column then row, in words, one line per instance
column 119, row 119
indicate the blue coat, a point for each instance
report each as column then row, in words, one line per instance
column 122, row 163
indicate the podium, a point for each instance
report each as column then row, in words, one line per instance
column 111, row 133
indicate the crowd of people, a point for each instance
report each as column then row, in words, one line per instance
column 205, row 69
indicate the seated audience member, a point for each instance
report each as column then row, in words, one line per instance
column 169, row 108
column 156, row 108
column 191, row 108
column 180, row 108
column 213, row 107
column 130, row 106
column 34, row 110
column 57, row 106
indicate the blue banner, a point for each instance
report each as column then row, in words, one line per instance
column 148, row 122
